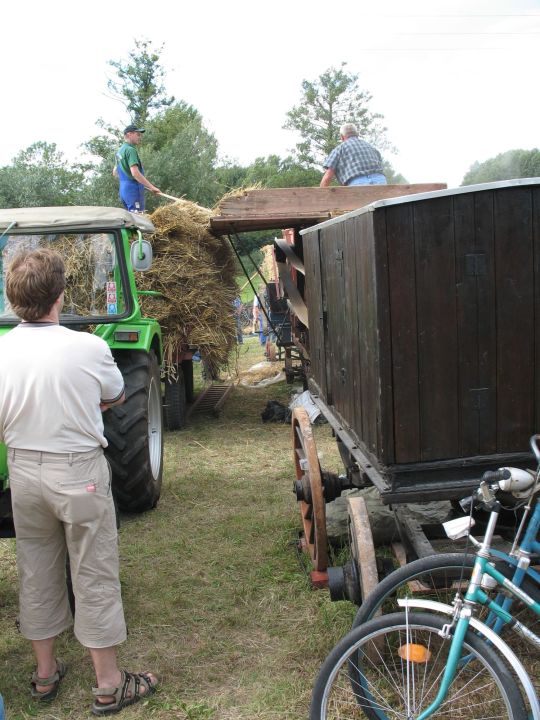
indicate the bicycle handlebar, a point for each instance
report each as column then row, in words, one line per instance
column 534, row 447
column 496, row 476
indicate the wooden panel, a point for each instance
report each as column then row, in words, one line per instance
column 473, row 217
column 314, row 301
column 404, row 332
column 367, row 330
column 332, row 264
column 355, row 400
column 515, row 318
column 385, row 422
column 535, row 210
column 437, row 328
column 291, row 207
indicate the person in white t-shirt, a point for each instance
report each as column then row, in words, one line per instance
column 54, row 385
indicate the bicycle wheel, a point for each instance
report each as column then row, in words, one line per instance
column 391, row 667
column 438, row 577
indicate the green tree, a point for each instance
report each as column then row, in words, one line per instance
column 140, row 82
column 180, row 155
column 505, row 166
column 274, row 171
column 40, row 175
column 327, row 102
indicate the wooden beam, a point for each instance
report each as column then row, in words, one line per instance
column 293, row 207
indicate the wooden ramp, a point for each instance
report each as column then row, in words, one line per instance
column 278, row 208
column 211, row 399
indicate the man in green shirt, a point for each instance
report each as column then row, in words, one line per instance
column 130, row 173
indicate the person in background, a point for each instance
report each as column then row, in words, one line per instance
column 237, row 302
column 258, row 313
column 354, row 161
column 129, row 171
column 55, row 383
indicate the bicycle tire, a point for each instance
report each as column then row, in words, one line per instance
column 362, row 674
column 442, row 569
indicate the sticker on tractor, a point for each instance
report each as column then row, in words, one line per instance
column 111, row 287
column 111, row 309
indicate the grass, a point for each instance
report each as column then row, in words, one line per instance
column 216, row 599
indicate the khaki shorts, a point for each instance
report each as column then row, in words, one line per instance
column 63, row 502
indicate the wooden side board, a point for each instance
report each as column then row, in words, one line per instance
column 293, row 207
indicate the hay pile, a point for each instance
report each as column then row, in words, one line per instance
column 195, row 272
column 86, row 268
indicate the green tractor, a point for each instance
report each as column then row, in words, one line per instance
column 103, row 248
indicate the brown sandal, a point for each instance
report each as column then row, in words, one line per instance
column 127, row 693
column 54, row 680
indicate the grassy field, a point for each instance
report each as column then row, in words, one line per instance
column 217, row 601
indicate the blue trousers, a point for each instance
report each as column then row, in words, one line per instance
column 131, row 192
column 373, row 179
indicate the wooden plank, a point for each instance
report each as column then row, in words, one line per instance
column 368, row 331
column 475, row 294
column 314, row 301
column 291, row 207
column 536, row 249
column 331, row 243
column 385, row 423
column 437, row 327
column 404, row 332
column 515, row 321
column 354, row 410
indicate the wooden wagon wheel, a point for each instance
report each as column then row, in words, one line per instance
column 309, row 486
column 361, row 543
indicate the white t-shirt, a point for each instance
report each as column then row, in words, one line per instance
column 52, row 381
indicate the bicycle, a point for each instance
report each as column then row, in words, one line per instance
column 440, row 575
column 416, row 665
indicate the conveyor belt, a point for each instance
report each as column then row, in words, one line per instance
column 211, row 399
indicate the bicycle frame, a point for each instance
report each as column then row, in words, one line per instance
column 475, row 595
column 492, row 637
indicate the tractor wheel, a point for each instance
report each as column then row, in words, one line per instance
column 175, row 401
column 187, row 369
column 134, row 431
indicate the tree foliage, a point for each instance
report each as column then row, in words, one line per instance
column 140, row 82
column 328, row 102
column 40, row 175
column 180, row 155
column 505, row 166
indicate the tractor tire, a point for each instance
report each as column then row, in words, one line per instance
column 187, row 369
column 175, row 401
column 134, row 431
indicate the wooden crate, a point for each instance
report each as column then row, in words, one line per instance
column 424, row 330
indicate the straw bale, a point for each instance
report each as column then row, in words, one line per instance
column 195, row 273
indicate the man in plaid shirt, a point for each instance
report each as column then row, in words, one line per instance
column 354, row 161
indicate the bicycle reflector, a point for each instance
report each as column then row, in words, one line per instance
column 414, row 653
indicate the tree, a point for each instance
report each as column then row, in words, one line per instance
column 274, row 171
column 328, row 102
column 179, row 154
column 140, row 82
column 40, row 175
column 505, row 166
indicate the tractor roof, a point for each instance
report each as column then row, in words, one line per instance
column 47, row 219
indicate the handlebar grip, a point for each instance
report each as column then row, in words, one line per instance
column 495, row 476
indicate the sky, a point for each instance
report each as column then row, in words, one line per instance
column 456, row 80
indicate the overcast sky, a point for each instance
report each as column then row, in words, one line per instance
column 456, row 81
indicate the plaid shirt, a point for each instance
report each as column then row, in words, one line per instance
column 353, row 157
